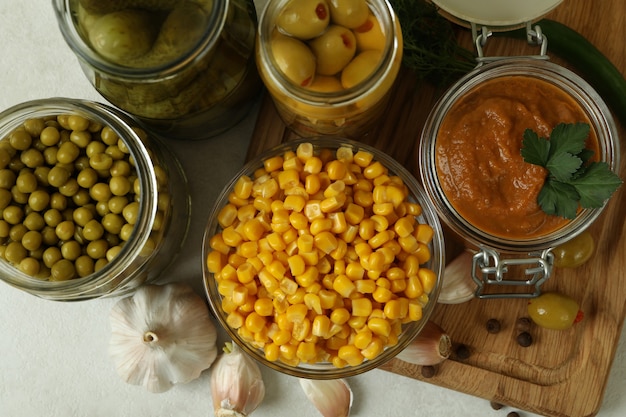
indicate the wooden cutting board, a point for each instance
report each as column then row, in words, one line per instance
column 563, row 373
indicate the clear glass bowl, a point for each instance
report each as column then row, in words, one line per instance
column 326, row 369
column 161, row 221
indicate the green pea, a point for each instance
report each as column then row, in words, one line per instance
column 77, row 123
column 39, row 200
column 80, row 138
column 51, row 256
column 65, row 230
column 58, row 176
column 84, row 266
column 20, row 139
column 63, row 270
column 71, row 250
column 100, row 192
column 34, row 221
column 15, row 252
column 26, row 182
column 119, row 186
column 13, row 214
column 5, row 198
column 82, row 215
column 50, row 136
column 97, row 249
column 29, row 266
column 93, row 230
column 131, row 212
column 70, row 188
column 68, row 152
column 32, row 158
column 87, row 177
column 7, row 178
column 34, row 126
column 32, row 240
column 117, row 203
column 17, row 232
column 113, row 223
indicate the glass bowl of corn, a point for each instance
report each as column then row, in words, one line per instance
column 322, row 258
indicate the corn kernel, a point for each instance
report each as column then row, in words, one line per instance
column 288, row 351
column 215, row 261
column 243, row 187
column 414, row 287
column 351, row 354
column 304, row 151
column 334, row 203
column 367, row 229
column 395, row 195
column 328, row 299
column 365, row 286
column 235, row 320
column 301, row 329
column 379, row 326
column 227, row 215
column 309, row 277
column 297, row 297
column 428, row 278
column 217, row 243
column 292, row 163
column 313, row 302
column 336, row 342
column 297, row 312
column 375, row 169
column 307, row 351
column 422, row 253
column 228, row 305
column 383, row 209
column 255, row 322
column 415, row 311
column 404, row 226
column 344, row 286
column 363, row 158
column 357, row 322
column 310, row 258
column 312, row 210
column 382, row 294
column 361, row 307
column 340, row 316
column 321, row 326
column 374, row 349
column 325, row 241
column 336, row 169
column 363, row 198
column 271, row 352
column 362, row 338
column 354, row 213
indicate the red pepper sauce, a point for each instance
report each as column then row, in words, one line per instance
column 478, row 154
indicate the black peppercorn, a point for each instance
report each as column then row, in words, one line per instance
column 493, row 326
column 524, row 339
column 462, row 352
column 495, row 405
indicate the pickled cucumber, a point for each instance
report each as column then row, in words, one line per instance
column 109, row 6
column 124, row 35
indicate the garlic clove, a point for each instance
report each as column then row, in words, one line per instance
column 332, row 397
column 160, row 336
column 430, row 347
column 458, row 286
column 237, row 387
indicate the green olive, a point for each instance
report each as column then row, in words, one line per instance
column 553, row 310
column 360, row 68
column 123, row 35
column 370, row 35
column 349, row 13
column 574, row 252
column 303, row 19
column 333, row 50
column 294, row 58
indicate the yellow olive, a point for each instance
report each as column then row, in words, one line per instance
column 574, row 252
column 333, row 50
column 326, row 84
column 294, row 59
column 360, row 68
column 553, row 310
column 370, row 35
column 303, row 19
column 348, row 13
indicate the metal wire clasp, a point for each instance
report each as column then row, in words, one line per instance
column 489, row 270
column 534, row 36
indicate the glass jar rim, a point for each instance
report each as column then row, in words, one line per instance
column 569, row 82
column 214, row 27
column 323, row 99
column 14, row 116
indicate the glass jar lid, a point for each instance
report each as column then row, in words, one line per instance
column 502, row 14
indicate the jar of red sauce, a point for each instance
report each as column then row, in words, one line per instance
column 471, row 164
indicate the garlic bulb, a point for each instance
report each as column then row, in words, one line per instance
column 332, row 397
column 458, row 286
column 161, row 335
column 430, row 347
column 237, row 387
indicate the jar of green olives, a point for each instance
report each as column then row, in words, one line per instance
column 329, row 65
column 184, row 68
column 90, row 205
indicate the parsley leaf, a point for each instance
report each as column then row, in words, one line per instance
column 572, row 179
column 558, row 199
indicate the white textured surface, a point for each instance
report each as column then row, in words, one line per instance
column 53, row 356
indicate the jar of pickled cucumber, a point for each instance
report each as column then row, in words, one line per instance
column 185, row 69
column 91, row 205
column 329, row 65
